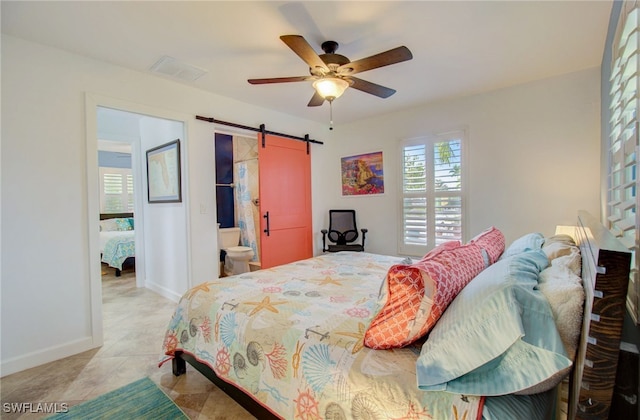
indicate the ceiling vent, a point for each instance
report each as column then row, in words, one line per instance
column 171, row 67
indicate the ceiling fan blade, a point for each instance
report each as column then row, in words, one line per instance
column 301, row 47
column 372, row 88
column 316, row 100
column 396, row 55
column 279, row 80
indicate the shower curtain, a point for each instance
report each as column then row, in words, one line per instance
column 244, row 204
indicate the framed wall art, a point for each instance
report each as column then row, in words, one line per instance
column 362, row 174
column 163, row 173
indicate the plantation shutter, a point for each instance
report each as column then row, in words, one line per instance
column 622, row 199
column 432, row 195
column 116, row 190
column 448, row 189
column 414, row 208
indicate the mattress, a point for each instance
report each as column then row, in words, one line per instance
column 291, row 338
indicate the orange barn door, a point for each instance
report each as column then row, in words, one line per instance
column 285, row 201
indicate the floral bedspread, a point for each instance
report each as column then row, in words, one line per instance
column 118, row 249
column 291, row 337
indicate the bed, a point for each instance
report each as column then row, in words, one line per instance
column 298, row 341
column 117, row 240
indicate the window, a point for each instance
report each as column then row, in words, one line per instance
column 116, row 190
column 622, row 142
column 432, row 207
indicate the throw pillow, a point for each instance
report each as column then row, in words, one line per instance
column 413, row 297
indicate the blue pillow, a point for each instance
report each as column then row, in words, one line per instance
column 497, row 337
column 528, row 242
column 123, row 223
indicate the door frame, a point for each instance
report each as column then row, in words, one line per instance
column 92, row 102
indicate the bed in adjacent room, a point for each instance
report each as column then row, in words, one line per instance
column 117, row 240
column 470, row 331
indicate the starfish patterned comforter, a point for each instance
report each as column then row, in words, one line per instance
column 291, row 337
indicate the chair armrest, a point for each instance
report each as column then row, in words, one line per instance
column 324, row 238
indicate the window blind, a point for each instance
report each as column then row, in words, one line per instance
column 432, row 193
column 116, row 190
column 622, row 183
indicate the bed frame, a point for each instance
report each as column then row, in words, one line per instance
column 131, row 261
column 605, row 273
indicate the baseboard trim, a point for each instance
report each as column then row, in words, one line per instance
column 50, row 354
column 163, row 291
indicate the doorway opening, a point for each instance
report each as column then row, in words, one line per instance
column 237, row 202
column 160, row 229
column 119, row 182
column 117, row 222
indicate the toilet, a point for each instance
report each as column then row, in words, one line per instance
column 237, row 259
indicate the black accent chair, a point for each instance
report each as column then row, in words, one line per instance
column 343, row 232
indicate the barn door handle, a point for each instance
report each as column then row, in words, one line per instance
column 266, row 216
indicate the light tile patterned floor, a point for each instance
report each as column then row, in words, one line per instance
column 134, row 323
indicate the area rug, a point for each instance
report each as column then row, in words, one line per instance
column 141, row 399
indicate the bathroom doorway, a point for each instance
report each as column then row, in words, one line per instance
column 237, row 191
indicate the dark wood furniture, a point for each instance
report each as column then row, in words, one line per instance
column 605, row 275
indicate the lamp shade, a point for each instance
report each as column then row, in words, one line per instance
column 330, row 88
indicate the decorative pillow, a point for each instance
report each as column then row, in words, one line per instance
column 497, row 337
column 109, row 225
column 528, row 242
column 131, row 223
column 123, row 224
column 445, row 246
column 492, row 242
column 413, row 297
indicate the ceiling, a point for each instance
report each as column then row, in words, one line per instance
column 459, row 47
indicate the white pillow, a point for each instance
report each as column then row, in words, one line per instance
column 108, row 225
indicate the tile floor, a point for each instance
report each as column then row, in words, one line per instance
column 131, row 351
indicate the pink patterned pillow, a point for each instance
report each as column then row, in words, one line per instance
column 445, row 246
column 416, row 295
column 492, row 241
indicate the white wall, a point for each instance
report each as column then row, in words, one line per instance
column 533, row 158
column 47, row 309
column 165, row 224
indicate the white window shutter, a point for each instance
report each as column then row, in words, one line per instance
column 116, row 190
column 432, row 193
column 622, row 198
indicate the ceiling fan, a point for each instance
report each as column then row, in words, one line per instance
column 332, row 73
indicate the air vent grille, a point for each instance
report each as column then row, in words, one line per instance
column 171, row 67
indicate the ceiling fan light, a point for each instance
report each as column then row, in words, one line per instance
column 330, row 88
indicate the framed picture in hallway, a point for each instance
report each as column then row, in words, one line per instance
column 163, row 173
column 362, row 174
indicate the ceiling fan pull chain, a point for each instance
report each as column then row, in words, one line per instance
column 330, row 115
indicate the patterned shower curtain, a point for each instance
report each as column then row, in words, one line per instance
column 244, row 205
